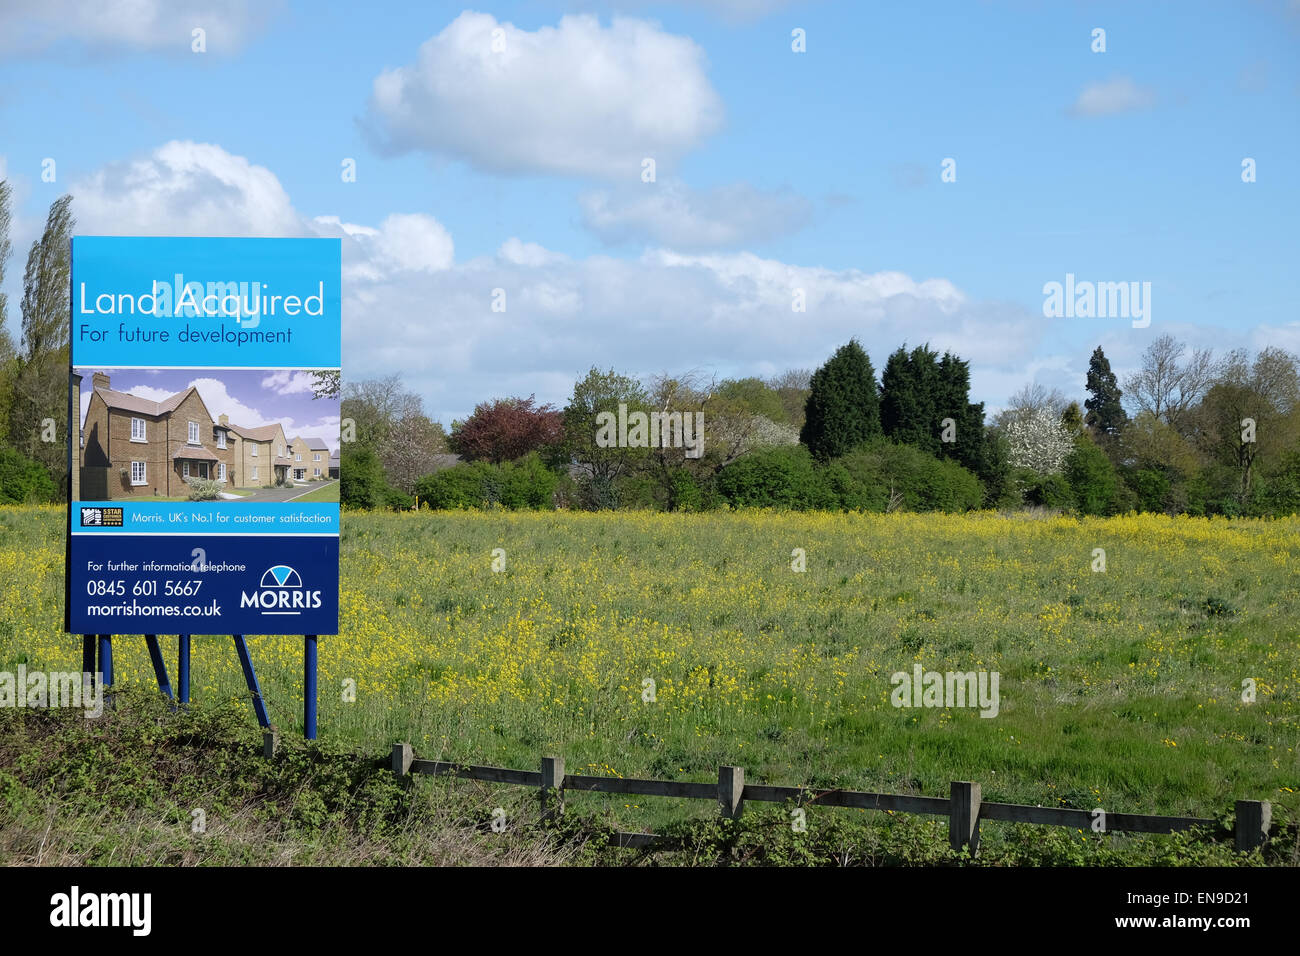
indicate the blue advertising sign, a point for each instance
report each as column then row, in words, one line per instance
column 204, row 466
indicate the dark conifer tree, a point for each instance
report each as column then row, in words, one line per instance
column 843, row 407
column 1105, row 413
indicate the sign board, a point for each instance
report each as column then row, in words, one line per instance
column 202, row 463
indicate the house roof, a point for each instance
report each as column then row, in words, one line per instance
column 134, row 403
column 260, row 433
column 316, row 444
column 193, row 453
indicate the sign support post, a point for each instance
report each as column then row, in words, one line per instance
column 250, row 678
column 106, row 659
column 159, row 667
column 183, row 668
column 309, row 686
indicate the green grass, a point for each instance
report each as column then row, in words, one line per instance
column 329, row 493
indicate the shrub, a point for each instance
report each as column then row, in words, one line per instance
column 458, row 487
column 397, row 499
column 1045, row 491
column 23, row 481
column 1279, row 492
column 919, row 480
column 856, row 482
column 1092, row 478
column 1152, row 488
column 527, row 484
column 361, row 479
column 686, row 492
column 780, row 477
column 203, row 489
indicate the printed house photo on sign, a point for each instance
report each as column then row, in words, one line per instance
column 238, row 435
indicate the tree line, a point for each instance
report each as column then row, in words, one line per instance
column 1188, row 432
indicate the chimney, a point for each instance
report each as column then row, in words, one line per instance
column 223, row 419
column 99, row 380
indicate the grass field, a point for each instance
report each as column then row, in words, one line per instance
column 329, row 493
column 1119, row 689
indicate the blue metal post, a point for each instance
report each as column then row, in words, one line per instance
column 250, row 678
column 183, row 668
column 159, row 666
column 309, row 686
column 106, row 659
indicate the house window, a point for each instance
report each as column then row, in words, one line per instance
column 221, row 438
column 315, row 457
column 255, row 473
column 221, row 471
column 185, row 469
column 194, row 433
column 252, row 450
column 137, row 473
column 281, row 451
column 297, row 457
column 137, row 429
column 317, row 472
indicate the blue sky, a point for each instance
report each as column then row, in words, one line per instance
column 519, row 168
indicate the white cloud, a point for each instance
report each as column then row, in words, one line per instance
column 289, row 383
column 577, row 98
column 1117, row 95
column 520, row 253
column 29, row 26
column 672, row 214
column 402, row 243
column 146, row 391
column 664, row 310
column 198, row 189
column 185, row 189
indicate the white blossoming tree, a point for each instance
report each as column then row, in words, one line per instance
column 1039, row 442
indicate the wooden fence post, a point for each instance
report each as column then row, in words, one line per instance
column 402, row 758
column 270, row 742
column 1253, row 820
column 964, row 816
column 552, row 793
column 731, row 791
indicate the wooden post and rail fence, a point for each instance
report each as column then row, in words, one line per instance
column 964, row 807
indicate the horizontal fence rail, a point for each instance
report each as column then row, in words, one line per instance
column 964, row 807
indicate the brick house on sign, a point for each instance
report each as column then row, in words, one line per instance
column 257, row 457
column 138, row 447
column 311, row 459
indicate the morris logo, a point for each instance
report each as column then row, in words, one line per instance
column 281, row 576
column 281, row 592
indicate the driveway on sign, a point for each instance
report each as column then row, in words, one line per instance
column 285, row 494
